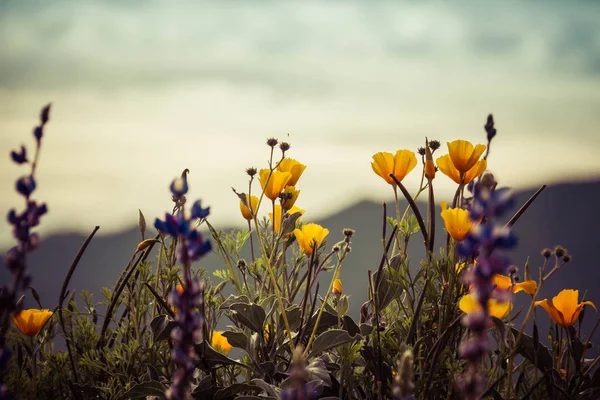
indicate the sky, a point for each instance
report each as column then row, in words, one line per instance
column 141, row 91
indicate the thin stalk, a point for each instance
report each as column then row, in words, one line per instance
column 414, row 208
column 525, row 206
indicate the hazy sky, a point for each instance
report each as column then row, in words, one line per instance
column 143, row 90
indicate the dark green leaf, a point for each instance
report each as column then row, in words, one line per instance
column 234, row 300
column 269, row 389
column 332, row 339
column 251, row 315
column 293, row 317
column 161, row 327
column 327, row 321
column 141, row 390
column 236, row 339
column 577, row 348
column 210, row 358
column 350, row 326
column 541, row 357
column 237, row 388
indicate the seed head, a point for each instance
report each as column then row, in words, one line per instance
column 272, row 142
column 251, row 171
column 421, row 151
column 348, row 232
column 434, row 145
column 559, row 251
column 284, row 146
column 547, row 253
column 567, row 258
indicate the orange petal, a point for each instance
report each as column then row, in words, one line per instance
column 444, row 163
column 555, row 314
column 528, row 287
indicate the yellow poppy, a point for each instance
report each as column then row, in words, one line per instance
column 457, row 221
column 253, row 203
column 219, row 342
column 310, row 236
column 277, row 221
column 463, row 155
column 429, row 168
column 31, row 321
column 564, row 308
column 273, row 185
column 445, row 165
column 337, row 287
column 291, row 195
column 400, row 165
column 503, row 282
column 468, row 304
column 293, row 167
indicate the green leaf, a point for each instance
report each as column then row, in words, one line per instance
column 332, row 339
column 540, row 356
column 269, row 389
column 233, row 300
column 210, row 358
column 236, row 339
column 293, row 317
column 350, row 326
column 251, row 315
column 230, row 391
column 144, row 389
column 327, row 321
column 161, row 327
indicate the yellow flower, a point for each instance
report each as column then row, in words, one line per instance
column 293, row 167
column 468, row 304
column 291, row 196
column 399, row 164
column 31, row 321
column 503, row 282
column 253, row 203
column 457, row 221
column 337, row 287
column 274, row 184
column 463, row 155
column 564, row 308
column 310, row 236
column 445, row 165
column 219, row 342
column 277, row 222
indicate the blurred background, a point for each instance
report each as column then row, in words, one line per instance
column 142, row 90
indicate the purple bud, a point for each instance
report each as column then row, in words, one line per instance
column 25, row 185
column 38, row 132
column 19, row 157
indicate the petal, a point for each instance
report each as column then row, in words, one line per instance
column 478, row 169
column 528, row 287
column 579, row 309
column 404, row 162
column 460, row 151
column 502, row 282
column 499, row 310
column 566, row 302
column 555, row 314
column 383, row 165
column 444, row 163
column 468, row 304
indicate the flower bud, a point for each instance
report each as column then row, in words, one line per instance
column 337, row 287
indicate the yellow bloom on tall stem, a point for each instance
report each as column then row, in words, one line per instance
column 278, row 214
column 274, row 184
column 31, row 321
column 564, row 308
column 291, row 195
column 293, row 167
column 310, row 237
column 219, row 342
column 457, row 222
column 469, row 304
column 503, row 282
column 400, row 165
column 464, row 155
column 253, row 203
column 445, row 165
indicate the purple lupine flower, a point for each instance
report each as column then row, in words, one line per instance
column 189, row 300
column 483, row 244
column 27, row 241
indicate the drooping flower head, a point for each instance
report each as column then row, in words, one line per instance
column 273, row 183
column 565, row 307
column 464, row 155
column 252, row 201
column 399, row 164
column 293, row 167
column 457, row 222
column 310, row 237
column 445, row 165
column 290, row 195
column 31, row 321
